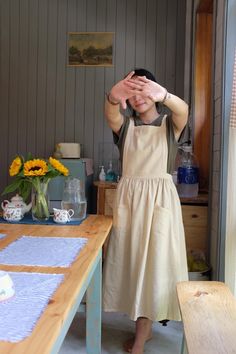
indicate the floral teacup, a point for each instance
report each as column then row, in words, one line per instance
column 11, row 213
column 62, row 216
column 6, row 286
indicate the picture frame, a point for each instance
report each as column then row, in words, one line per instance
column 90, row 48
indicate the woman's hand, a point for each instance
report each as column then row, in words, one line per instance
column 125, row 89
column 158, row 93
column 138, row 85
column 149, row 88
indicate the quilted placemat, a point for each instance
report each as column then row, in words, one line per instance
column 19, row 314
column 42, row 251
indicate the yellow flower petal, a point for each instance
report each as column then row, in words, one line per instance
column 35, row 167
column 15, row 166
column 58, row 166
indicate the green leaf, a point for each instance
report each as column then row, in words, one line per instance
column 13, row 186
column 21, row 173
column 53, row 173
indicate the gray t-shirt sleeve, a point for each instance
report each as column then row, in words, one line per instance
column 174, row 144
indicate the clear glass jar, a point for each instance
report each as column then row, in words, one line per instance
column 74, row 198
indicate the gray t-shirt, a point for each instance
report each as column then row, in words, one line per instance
column 172, row 143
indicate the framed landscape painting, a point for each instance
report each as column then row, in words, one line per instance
column 90, row 49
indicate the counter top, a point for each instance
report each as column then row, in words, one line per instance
column 201, row 199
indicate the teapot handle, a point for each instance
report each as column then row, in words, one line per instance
column 4, row 204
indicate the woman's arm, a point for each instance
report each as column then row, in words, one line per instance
column 179, row 110
column 117, row 97
column 112, row 113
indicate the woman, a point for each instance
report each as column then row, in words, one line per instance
column 146, row 253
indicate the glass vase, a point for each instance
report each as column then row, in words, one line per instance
column 40, row 201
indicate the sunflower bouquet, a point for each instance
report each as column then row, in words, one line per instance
column 33, row 175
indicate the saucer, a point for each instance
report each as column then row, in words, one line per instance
column 60, row 222
column 12, row 219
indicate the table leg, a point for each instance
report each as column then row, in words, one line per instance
column 94, row 312
column 183, row 346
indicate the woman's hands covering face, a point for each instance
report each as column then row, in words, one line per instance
column 136, row 85
column 149, row 88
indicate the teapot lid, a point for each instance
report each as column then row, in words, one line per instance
column 17, row 198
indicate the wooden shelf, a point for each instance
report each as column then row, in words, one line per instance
column 105, row 184
column 201, row 199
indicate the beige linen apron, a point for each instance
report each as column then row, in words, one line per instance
column 146, row 253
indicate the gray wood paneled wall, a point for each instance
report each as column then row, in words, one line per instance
column 43, row 101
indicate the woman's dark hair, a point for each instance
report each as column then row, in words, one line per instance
column 144, row 72
column 149, row 76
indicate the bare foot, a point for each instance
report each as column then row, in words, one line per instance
column 129, row 343
column 138, row 349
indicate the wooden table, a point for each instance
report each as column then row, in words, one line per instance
column 84, row 275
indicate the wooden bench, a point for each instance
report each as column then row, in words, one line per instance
column 208, row 311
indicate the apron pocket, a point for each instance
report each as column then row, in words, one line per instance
column 161, row 221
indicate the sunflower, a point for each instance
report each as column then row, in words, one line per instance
column 35, row 167
column 58, row 166
column 15, row 166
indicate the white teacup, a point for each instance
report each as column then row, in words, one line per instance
column 6, row 286
column 62, row 216
column 12, row 214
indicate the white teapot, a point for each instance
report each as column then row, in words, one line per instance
column 16, row 202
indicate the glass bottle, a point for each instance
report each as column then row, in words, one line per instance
column 102, row 174
column 188, row 174
column 74, row 198
column 110, row 175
